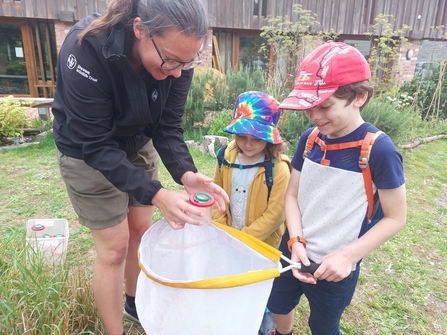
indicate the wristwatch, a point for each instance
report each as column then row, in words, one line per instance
column 296, row 239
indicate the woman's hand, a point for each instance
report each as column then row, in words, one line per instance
column 175, row 208
column 197, row 182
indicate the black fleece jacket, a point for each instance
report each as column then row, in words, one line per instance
column 104, row 112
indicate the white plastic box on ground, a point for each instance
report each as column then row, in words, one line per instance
column 47, row 238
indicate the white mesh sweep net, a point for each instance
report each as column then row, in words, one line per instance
column 198, row 253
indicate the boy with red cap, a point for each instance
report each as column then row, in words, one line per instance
column 326, row 200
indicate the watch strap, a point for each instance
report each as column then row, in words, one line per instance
column 299, row 239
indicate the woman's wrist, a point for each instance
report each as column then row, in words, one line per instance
column 185, row 176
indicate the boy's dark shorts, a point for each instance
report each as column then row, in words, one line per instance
column 97, row 202
column 328, row 299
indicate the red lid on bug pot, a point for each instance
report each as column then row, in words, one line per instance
column 201, row 199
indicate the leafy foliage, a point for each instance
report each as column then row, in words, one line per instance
column 391, row 117
column 291, row 125
column 242, row 81
column 219, row 122
column 290, row 43
column 429, row 93
column 216, row 93
column 195, row 104
column 13, row 116
column 384, row 55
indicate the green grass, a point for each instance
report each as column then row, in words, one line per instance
column 401, row 288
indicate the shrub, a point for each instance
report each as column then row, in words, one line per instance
column 291, row 125
column 430, row 94
column 195, row 104
column 219, row 122
column 13, row 117
column 242, row 81
column 214, row 92
column 226, row 89
column 391, row 116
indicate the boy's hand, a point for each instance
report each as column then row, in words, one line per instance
column 334, row 267
column 299, row 254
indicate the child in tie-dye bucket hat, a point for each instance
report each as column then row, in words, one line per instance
column 256, row 153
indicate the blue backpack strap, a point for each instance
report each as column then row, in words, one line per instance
column 220, row 155
column 268, row 165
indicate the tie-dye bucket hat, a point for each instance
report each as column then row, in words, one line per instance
column 256, row 114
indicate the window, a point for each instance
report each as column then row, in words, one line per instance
column 224, row 39
column 260, row 8
column 249, row 55
column 27, row 58
column 364, row 46
column 45, row 52
column 13, row 73
column 441, row 14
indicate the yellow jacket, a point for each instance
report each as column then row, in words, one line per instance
column 263, row 220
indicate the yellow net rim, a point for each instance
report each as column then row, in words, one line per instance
column 247, row 278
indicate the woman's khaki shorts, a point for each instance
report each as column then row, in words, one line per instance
column 97, row 202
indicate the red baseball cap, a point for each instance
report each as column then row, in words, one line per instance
column 325, row 69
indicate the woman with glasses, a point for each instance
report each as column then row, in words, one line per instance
column 122, row 84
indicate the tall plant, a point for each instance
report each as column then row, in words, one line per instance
column 195, row 104
column 429, row 94
column 384, row 55
column 437, row 105
column 290, row 42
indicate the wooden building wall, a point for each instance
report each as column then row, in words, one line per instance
column 64, row 10
column 342, row 16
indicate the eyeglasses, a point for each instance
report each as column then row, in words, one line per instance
column 170, row 64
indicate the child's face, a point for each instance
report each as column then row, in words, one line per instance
column 251, row 147
column 334, row 119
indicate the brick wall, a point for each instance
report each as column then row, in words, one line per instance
column 407, row 66
column 61, row 30
column 207, row 52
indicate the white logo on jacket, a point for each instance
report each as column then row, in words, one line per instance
column 71, row 62
column 154, row 95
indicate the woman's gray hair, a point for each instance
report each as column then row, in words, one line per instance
column 188, row 16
